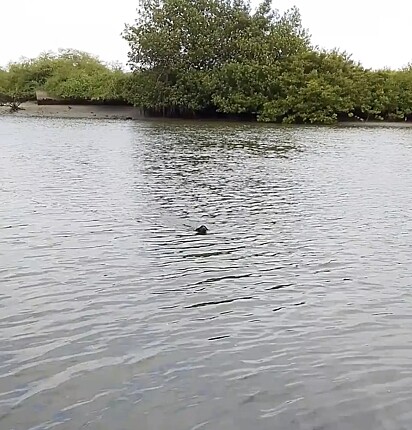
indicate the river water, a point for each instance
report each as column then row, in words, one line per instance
column 294, row 312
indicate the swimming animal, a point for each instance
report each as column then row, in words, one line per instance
column 201, row 230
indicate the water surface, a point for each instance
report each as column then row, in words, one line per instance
column 293, row 313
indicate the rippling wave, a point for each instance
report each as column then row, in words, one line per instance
column 292, row 313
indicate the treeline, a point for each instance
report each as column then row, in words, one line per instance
column 68, row 74
column 220, row 57
column 206, row 56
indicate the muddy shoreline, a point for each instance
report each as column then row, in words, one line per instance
column 32, row 109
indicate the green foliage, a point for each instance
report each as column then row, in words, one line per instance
column 69, row 74
column 219, row 56
column 190, row 55
column 4, row 83
column 14, row 87
column 314, row 87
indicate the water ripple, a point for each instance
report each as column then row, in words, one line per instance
column 292, row 313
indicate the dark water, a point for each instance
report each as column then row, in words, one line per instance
column 295, row 312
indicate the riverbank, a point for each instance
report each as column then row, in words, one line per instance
column 401, row 124
column 32, row 109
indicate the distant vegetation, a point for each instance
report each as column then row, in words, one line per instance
column 220, row 57
column 69, row 74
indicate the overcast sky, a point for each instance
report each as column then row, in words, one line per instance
column 375, row 32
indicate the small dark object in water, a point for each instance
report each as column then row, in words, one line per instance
column 201, row 230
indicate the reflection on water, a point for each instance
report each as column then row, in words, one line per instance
column 293, row 313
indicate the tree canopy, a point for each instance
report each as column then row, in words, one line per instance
column 220, row 56
column 68, row 74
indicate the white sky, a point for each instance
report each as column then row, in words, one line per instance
column 376, row 32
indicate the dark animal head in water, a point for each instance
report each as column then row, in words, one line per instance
column 201, row 230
